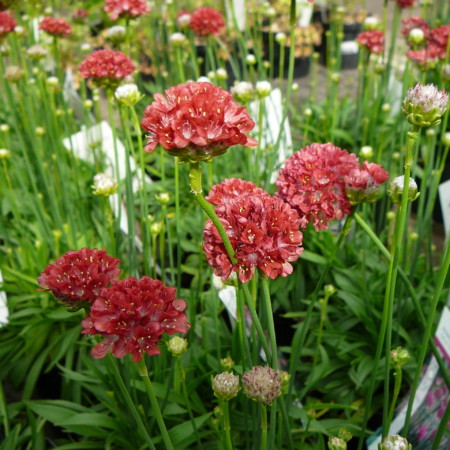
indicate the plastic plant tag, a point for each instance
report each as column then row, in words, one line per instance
column 444, row 197
column 4, row 313
column 430, row 401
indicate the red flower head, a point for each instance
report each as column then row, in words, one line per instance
column 205, row 21
column 425, row 58
column 132, row 315
column 263, row 231
column 414, row 22
column 362, row 183
column 184, row 18
column 373, row 40
column 405, row 3
column 56, row 26
column 106, row 67
column 312, row 182
column 438, row 38
column 7, row 23
column 196, row 121
column 126, row 8
column 80, row 15
column 232, row 188
column 79, row 275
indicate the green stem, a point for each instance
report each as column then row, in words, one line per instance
column 263, row 427
column 142, row 368
column 177, row 223
column 270, row 322
column 397, row 386
column 226, row 425
column 428, row 332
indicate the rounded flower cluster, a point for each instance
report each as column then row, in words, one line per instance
column 232, row 188
column 79, row 15
column 405, row 3
column 106, row 67
column 424, row 105
column 56, row 26
column 373, row 40
column 126, row 8
column 7, row 23
column 196, row 121
column 79, row 275
column 263, row 231
column 225, row 385
column 132, row 315
column 414, row 22
column 206, row 21
column 437, row 38
column 262, row 384
column 362, row 183
column 394, row 442
column 312, row 182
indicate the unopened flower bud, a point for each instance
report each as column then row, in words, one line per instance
column 371, row 23
column 156, row 228
column 177, row 345
column 285, row 378
column 329, row 290
column 395, row 190
column 178, row 39
column 4, row 154
column 280, row 37
column 52, row 82
column 390, row 216
column 380, row 68
column 295, row 87
column 14, row 73
column 211, row 75
column 446, row 139
column 385, row 107
column 424, row 105
column 413, row 236
column 399, row 357
column 57, row 234
column 19, row 30
column 366, row 152
column 225, row 385
column 243, row 91
column 85, row 47
column 394, row 442
column 336, row 443
column 396, row 156
column 227, row 363
column 88, row 104
column 271, row 12
column 262, row 384
column 36, row 52
column 116, row 34
column 203, row 79
column 221, row 74
column 308, row 112
column 40, row 131
column 336, row 77
column 430, row 132
column 163, row 198
column 345, row 434
column 416, row 36
column 250, row 59
column 104, row 185
column 263, row 88
column 4, row 128
column 128, row 94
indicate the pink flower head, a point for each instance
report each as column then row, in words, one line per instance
column 126, row 8
column 312, row 182
column 184, row 18
column 106, row 67
column 232, row 188
column 205, row 21
column 438, row 39
column 425, row 58
column 80, row 15
column 7, row 23
column 405, row 3
column 56, row 26
column 263, row 231
column 196, row 121
column 132, row 315
column 362, row 183
column 373, row 40
column 414, row 22
column 79, row 275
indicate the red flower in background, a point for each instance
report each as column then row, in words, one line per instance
column 79, row 275
column 373, row 40
column 312, row 182
column 425, row 58
column 362, row 183
column 405, row 3
column 205, row 21
column 56, row 26
column 196, row 121
column 106, row 67
column 414, row 22
column 7, row 23
column 132, row 315
column 263, row 231
column 126, row 8
column 232, row 188
column 80, row 15
column 438, row 39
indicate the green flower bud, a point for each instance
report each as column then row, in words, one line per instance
column 394, row 442
column 225, row 386
column 177, row 345
column 395, row 190
column 336, row 443
column 399, row 357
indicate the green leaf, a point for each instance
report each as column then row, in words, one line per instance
column 183, row 434
column 90, row 419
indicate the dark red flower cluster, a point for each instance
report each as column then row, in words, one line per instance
column 405, row 3
column 232, row 188
column 196, row 121
column 414, row 22
column 132, row 315
column 316, row 179
column 79, row 275
column 106, row 67
column 7, row 23
column 79, row 15
column 438, row 39
column 126, row 8
column 56, row 26
column 206, row 21
column 362, row 183
column 263, row 231
column 373, row 40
